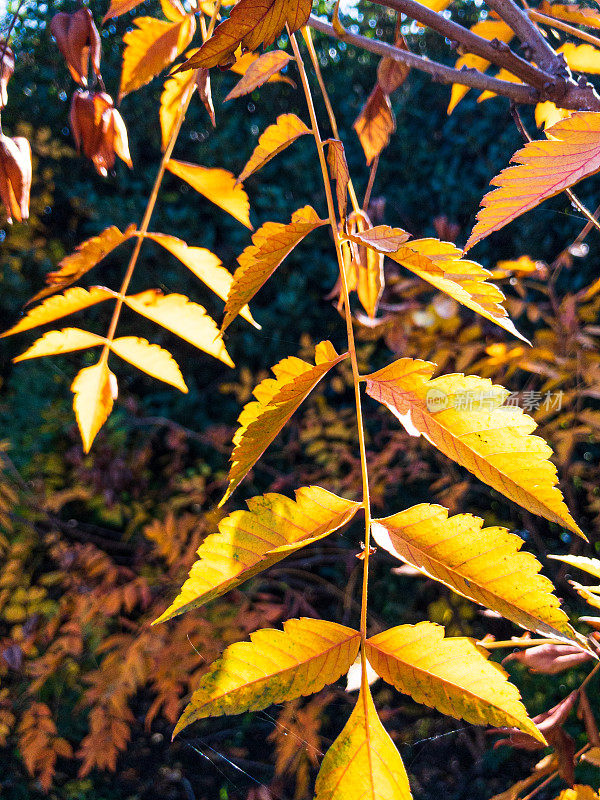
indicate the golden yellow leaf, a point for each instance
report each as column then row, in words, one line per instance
column 548, row 114
column 59, row 306
column 460, row 553
column 54, row 343
column 383, row 238
column 501, row 75
column 274, row 666
column 375, row 123
column 94, row 390
column 578, row 792
column 363, row 265
column 441, row 265
column 338, row 169
column 259, row 71
column 218, row 185
column 590, row 597
column 150, row 47
column 175, row 91
column 363, row 761
column 86, row 256
column 276, row 400
column 545, row 168
column 589, row 565
column 244, row 62
column 592, row 756
column 488, row 29
column 581, row 57
column 464, row 417
column 249, row 542
column 271, row 244
column 524, row 265
column 204, row 264
column 150, row 358
column 272, row 141
column 450, row 674
column 571, row 12
column 118, row 7
column 251, row 23
column 183, row 318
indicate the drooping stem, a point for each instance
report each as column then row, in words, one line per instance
column 351, row 344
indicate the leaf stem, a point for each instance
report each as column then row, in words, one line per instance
column 351, row 346
column 518, row 643
column 544, row 19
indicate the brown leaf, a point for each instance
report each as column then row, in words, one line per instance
column 549, row 659
column 549, row 723
column 7, row 67
column 204, row 90
column 375, row 123
column 77, row 39
column 99, row 130
column 259, row 71
column 338, row 168
column 15, row 177
column 392, row 74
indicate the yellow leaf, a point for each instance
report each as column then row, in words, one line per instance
column 501, row 75
column 59, row 306
column 274, row 666
column 338, row 168
column 461, row 554
column 204, row 264
column 488, row 29
column 150, row 47
column 545, row 168
column 183, row 318
column 524, row 265
column 383, row 238
column 547, row 114
column 218, row 185
column 56, row 342
column 250, row 541
column 375, row 123
column 86, row 256
column 272, row 141
column 150, row 358
column 589, row 596
column 464, row 417
column 592, row 756
column 450, row 674
column 581, row 57
column 441, row 265
column 251, row 23
column 118, row 7
column 589, row 565
column 571, row 12
column 367, row 263
column 94, row 389
column 276, row 400
column 259, row 71
column 175, row 91
column 271, row 244
column 363, row 761
column 578, row 792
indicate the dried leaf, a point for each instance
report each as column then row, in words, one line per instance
column 94, row 389
column 205, row 93
column 77, row 38
column 150, row 358
column 365, row 265
column 383, row 238
column 54, row 343
column 338, row 168
column 183, row 318
column 249, row 542
column 549, row 659
column 259, row 71
column 99, row 130
column 15, row 177
column 271, row 244
column 464, row 417
column 54, row 308
column 450, row 674
column 461, row 554
column 391, row 74
column 375, row 123
column 272, row 141
column 7, row 68
column 276, row 400
column 218, row 185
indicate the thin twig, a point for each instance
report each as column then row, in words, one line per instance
column 11, row 27
column 369, row 188
column 544, row 19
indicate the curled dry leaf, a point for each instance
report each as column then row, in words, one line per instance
column 78, row 40
column 375, row 123
column 392, row 74
column 99, row 130
column 272, row 141
column 548, row 723
column 204, row 90
column 15, row 177
column 7, row 67
column 338, row 169
column 549, row 659
column 258, row 71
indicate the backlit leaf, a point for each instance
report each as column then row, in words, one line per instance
column 259, row 71
column 251, row 23
column 150, row 358
column 548, row 114
column 545, row 168
column 363, row 761
column 383, row 238
column 272, row 141
column 172, row 98
column 364, row 265
column 391, row 74
column 118, row 7
column 183, row 318
column 578, row 792
column 218, row 185
column 276, row 400
column 571, row 12
column 54, row 308
column 151, row 47
column 450, row 674
column 205, row 265
column 338, row 169
column 375, row 123
column 250, row 541
column 581, row 57
column 482, row 564
column 86, row 256
column 271, row 244
column 56, row 342
column 589, row 565
column 274, row 666
column 464, row 417
column 94, row 389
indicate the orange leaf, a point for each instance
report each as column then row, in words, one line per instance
column 118, row 7
column 364, row 265
column 205, row 265
column 545, row 168
column 375, row 123
column 251, row 23
column 243, row 64
column 338, row 168
column 172, row 98
column 276, row 400
column 270, row 245
column 218, row 185
column 259, row 71
column 383, row 238
column 59, row 306
column 392, row 74
column 272, row 141
column 571, row 12
column 94, row 388
column 150, row 47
